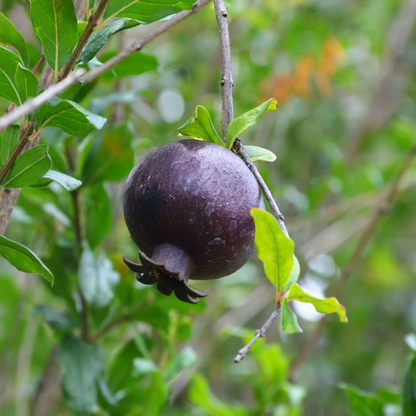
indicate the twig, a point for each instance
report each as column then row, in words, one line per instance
column 38, row 64
column 227, row 116
column 31, row 105
column 140, row 44
column 356, row 256
column 259, row 334
column 227, row 82
column 92, row 22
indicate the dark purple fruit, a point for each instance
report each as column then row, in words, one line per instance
column 187, row 207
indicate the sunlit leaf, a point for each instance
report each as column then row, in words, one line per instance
column 23, row 258
column 259, row 154
column 290, row 323
column 327, row 305
column 274, row 249
column 200, row 126
column 68, row 182
column 247, row 120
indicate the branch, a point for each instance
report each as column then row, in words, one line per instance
column 227, row 116
column 380, row 211
column 31, row 105
column 92, row 22
column 259, row 334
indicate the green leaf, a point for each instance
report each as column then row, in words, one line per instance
column 142, row 366
column 136, row 64
column 363, row 403
column 8, row 141
column 97, row 211
column 68, row 182
column 187, row 358
column 274, row 249
column 58, row 321
column 328, row 305
column 97, row 278
column 290, row 323
column 200, row 126
column 68, row 116
column 23, row 258
column 145, row 12
column 55, row 25
column 26, row 83
column 111, row 158
column 410, row 340
column 247, row 120
column 294, row 274
column 9, row 62
column 258, row 154
column 409, row 388
column 81, row 364
column 10, row 35
column 29, row 168
column 99, row 38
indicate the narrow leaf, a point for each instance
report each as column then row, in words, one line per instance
column 200, row 126
column 23, row 258
column 81, row 364
column 55, row 24
column 327, row 305
column 259, row 154
column 274, row 249
column 145, row 12
column 29, row 168
column 26, row 83
column 68, row 182
column 99, row 38
column 9, row 63
column 290, row 323
column 68, row 116
column 8, row 141
column 247, row 120
column 409, row 388
column 10, row 35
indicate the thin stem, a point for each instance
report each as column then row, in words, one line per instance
column 226, row 82
column 380, row 211
column 92, row 22
column 259, row 334
column 38, row 64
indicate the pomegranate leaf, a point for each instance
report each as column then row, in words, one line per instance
column 247, row 120
column 8, row 141
column 326, row 305
column 289, row 319
column 23, row 258
column 259, row 154
column 200, row 126
column 274, row 249
column 10, row 35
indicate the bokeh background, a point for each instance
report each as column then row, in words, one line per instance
column 343, row 72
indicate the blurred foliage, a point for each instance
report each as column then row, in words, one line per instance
column 340, row 133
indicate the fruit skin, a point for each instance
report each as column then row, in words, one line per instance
column 187, row 206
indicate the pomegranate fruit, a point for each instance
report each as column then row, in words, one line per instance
column 187, row 207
